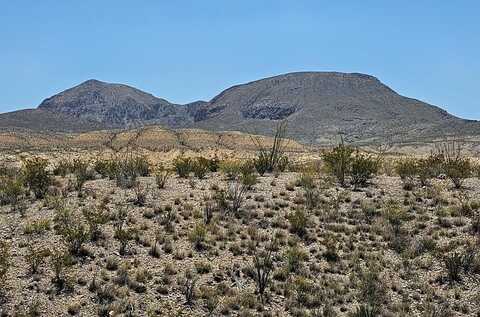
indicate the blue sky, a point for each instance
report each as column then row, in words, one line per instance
column 188, row 50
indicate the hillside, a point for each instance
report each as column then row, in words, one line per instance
column 115, row 105
column 318, row 106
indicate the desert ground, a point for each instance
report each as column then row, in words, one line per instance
column 103, row 224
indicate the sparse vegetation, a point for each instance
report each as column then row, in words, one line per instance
column 296, row 243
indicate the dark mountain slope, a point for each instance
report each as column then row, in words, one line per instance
column 115, row 105
column 44, row 120
column 319, row 105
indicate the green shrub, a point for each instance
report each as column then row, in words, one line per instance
column 183, row 166
column 59, row 260
column 63, row 167
column 453, row 264
column 295, row 257
column 214, row 164
column 11, row 190
column 124, row 236
column 248, row 176
column 298, row 221
column 73, row 232
column 129, row 168
column 82, row 173
column 35, row 257
column 232, row 169
column 312, row 198
column 339, row 161
column 364, row 311
column 161, row 177
column 407, row 170
column 306, row 180
column 426, row 169
column 198, row 235
column 364, row 167
column 454, row 164
column 200, row 167
column 106, row 168
column 458, row 170
column 249, row 180
column 95, row 217
column 394, row 214
column 36, row 177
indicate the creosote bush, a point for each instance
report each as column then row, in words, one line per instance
column 231, row 168
column 11, row 190
column 36, row 177
column 298, row 221
column 363, row 168
column 95, row 217
column 200, row 167
column 81, row 170
column 183, row 166
column 339, row 161
column 35, row 257
column 129, row 168
column 198, row 236
column 407, row 170
column 73, row 232
column 458, row 170
column 454, row 164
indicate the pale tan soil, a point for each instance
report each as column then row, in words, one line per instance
column 412, row 282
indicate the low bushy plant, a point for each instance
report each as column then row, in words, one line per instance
column 36, row 177
column 200, row 167
column 363, row 168
column 298, row 221
column 183, row 166
column 35, row 257
column 11, row 190
column 339, row 161
column 231, row 168
column 198, row 235
column 407, row 170
column 458, row 170
column 129, row 168
column 82, row 172
column 161, row 177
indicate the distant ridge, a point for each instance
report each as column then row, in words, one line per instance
column 317, row 105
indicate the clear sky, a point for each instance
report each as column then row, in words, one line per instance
column 189, row 50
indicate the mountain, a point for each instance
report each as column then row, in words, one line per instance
column 44, row 120
column 320, row 105
column 115, row 105
column 317, row 105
